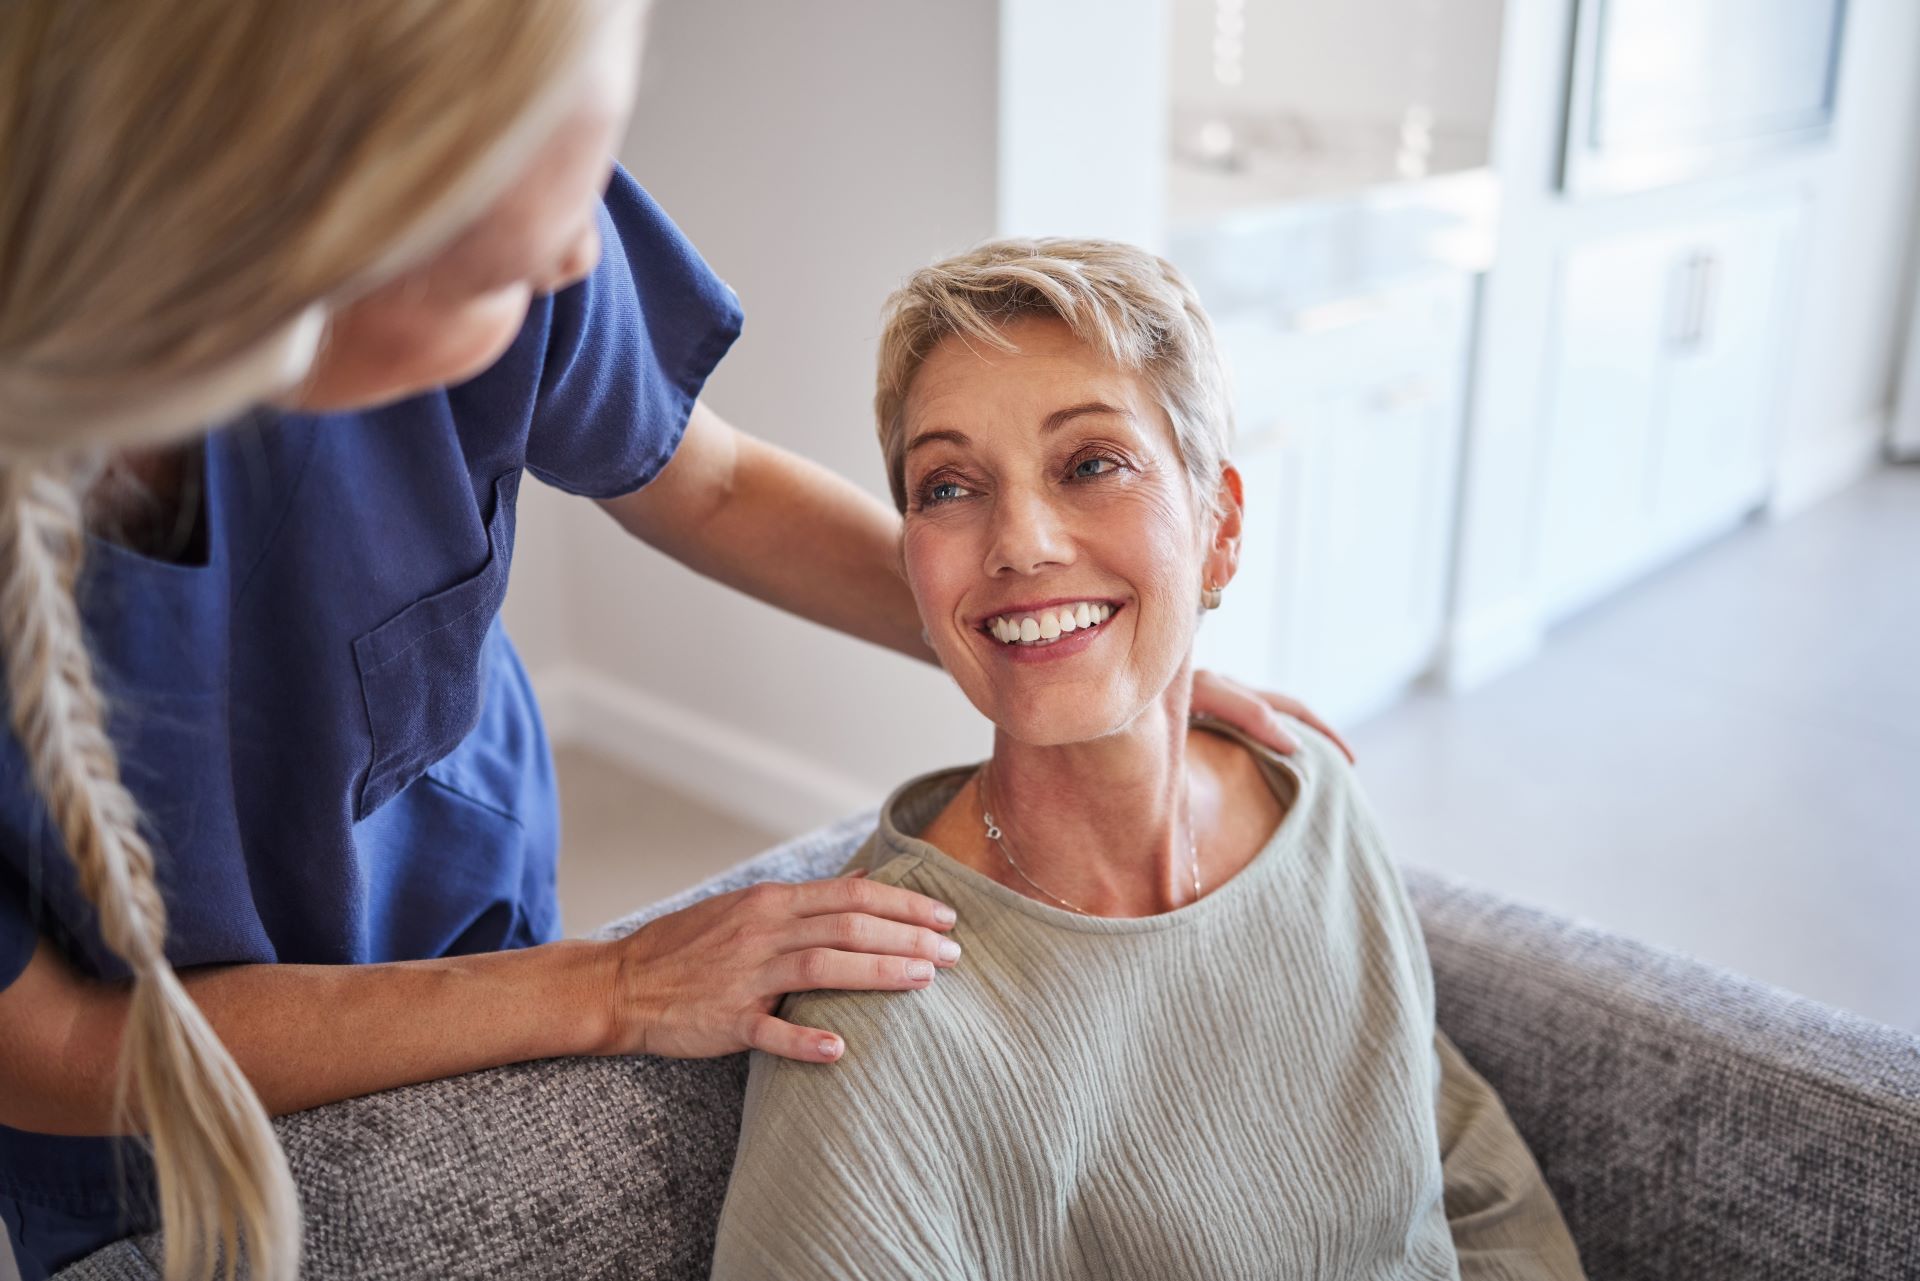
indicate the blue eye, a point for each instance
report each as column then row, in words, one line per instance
column 941, row 491
column 1080, row 468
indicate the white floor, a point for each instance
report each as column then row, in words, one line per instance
column 626, row 841
column 1724, row 759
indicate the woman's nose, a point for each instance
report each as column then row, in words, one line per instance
column 1027, row 534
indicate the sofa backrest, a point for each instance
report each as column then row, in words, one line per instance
column 1692, row 1123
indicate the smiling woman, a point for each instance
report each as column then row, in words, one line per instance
column 1046, row 476
column 1191, row 1032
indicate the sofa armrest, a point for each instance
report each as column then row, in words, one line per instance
column 1692, row 1123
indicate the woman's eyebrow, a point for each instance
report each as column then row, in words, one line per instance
column 1060, row 417
column 928, row 437
column 1057, row 418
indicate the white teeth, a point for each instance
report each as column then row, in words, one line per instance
column 1048, row 625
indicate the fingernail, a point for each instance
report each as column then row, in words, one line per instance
column 918, row 970
column 948, row 950
column 945, row 915
column 829, row 1046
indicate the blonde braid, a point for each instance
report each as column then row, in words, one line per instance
column 220, row 1171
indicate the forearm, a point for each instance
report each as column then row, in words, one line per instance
column 780, row 528
column 311, row 1034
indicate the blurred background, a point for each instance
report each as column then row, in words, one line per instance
column 1575, row 373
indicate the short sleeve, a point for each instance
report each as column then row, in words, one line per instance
column 628, row 350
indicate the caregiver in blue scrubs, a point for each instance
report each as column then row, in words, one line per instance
column 293, row 298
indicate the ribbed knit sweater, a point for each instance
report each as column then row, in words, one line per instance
column 1248, row 1086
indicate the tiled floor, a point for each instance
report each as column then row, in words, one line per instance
column 1723, row 759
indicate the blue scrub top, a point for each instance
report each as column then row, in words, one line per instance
column 333, row 744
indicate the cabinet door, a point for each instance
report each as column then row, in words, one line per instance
column 1614, row 306
column 1714, row 442
column 1349, row 458
column 1248, row 637
column 1378, row 505
column 1662, row 388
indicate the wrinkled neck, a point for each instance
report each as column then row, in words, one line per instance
column 1107, row 824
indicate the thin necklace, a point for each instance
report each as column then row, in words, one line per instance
column 998, row 836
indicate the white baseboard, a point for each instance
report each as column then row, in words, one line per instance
column 1488, row 643
column 1812, row 470
column 736, row 773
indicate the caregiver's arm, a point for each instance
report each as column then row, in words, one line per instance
column 698, row 982
column 1505, row 1224
column 779, row 527
column 796, row 535
column 302, row 1034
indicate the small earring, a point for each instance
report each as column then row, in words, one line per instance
column 1210, row 596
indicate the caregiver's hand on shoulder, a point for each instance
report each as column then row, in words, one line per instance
column 1251, row 711
column 705, row 980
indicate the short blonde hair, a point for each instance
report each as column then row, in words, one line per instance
column 1132, row 307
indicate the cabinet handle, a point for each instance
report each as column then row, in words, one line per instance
column 1702, row 278
column 1709, row 268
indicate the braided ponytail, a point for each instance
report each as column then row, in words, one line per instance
column 187, row 192
column 221, row 1173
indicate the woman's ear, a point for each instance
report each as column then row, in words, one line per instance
column 1223, row 555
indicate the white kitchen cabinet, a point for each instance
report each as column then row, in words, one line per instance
column 1662, row 385
column 1350, row 413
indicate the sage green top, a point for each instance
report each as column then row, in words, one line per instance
column 1248, row 1086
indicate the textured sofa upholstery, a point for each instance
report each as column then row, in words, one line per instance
column 1695, row 1126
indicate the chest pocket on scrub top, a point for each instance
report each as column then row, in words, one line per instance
column 420, row 670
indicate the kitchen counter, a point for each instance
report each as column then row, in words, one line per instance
column 1267, row 238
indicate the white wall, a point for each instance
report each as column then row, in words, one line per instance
column 1083, row 119
column 815, row 153
column 1863, row 218
column 1905, row 443
column 1351, row 60
column 1860, row 188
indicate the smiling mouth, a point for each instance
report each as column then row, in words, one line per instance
column 1045, row 626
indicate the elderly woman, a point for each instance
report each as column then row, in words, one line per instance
column 1191, row 1029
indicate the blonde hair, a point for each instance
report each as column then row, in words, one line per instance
column 1132, row 307
column 187, row 191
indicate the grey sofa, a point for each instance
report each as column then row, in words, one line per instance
column 1695, row 1126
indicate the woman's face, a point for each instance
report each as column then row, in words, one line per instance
column 452, row 317
column 1046, row 499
